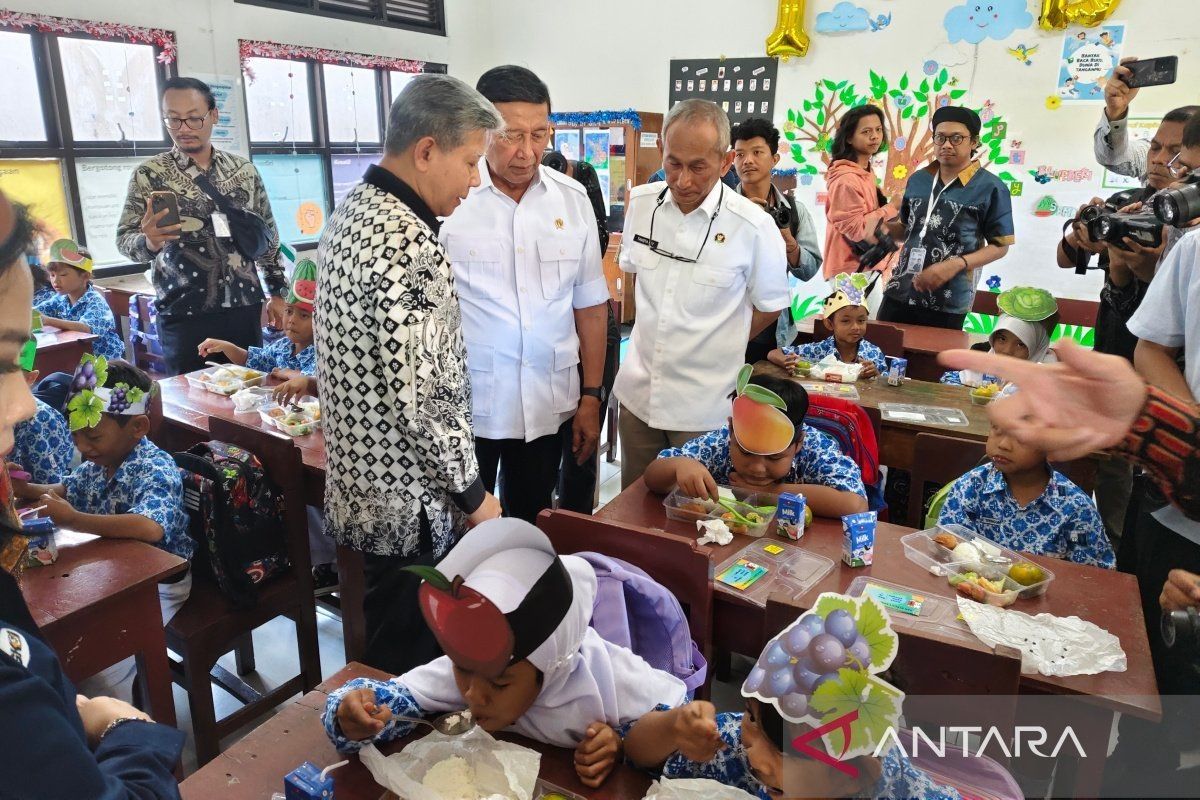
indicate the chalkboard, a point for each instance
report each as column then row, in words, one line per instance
column 744, row 87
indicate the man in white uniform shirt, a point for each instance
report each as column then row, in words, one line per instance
column 527, row 266
column 711, row 273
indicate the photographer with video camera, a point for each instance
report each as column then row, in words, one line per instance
column 755, row 154
column 1129, row 266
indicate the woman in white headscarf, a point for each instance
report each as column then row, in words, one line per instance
column 513, row 618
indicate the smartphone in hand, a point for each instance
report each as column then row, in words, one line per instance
column 1152, row 72
column 169, row 201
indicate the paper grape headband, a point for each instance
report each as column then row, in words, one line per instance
column 474, row 633
column 848, row 290
column 90, row 398
column 759, row 422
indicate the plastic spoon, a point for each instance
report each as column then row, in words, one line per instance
column 456, row 723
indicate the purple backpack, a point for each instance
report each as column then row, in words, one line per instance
column 635, row 611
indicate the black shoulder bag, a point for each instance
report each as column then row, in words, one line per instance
column 250, row 232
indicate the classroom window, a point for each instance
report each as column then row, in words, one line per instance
column 425, row 16
column 113, row 93
column 20, row 89
column 399, row 80
column 278, row 101
column 352, row 104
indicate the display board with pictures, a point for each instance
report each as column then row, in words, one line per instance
column 744, row 87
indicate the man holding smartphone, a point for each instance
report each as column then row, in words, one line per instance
column 202, row 282
column 1114, row 149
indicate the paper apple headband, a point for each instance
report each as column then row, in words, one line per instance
column 759, row 422
column 475, row 634
column 90, row 398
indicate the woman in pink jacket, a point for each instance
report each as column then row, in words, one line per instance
column 856, row 207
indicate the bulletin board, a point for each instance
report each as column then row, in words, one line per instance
column 744, row 87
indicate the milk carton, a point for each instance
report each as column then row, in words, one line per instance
column 858, row 539
column 43, row 550
column 306, row 782
column 896, row 368
column 790, row 515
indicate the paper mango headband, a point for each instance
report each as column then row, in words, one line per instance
column 759, row 422
column 91, row 399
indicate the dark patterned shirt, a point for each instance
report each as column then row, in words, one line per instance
column 200, row 272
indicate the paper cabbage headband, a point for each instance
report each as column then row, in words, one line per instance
column 760, row 423
column 65, row 251
column 303, row 291
column 90, row 398
column 849, row 289
column 1027, row 303
column 822, row 671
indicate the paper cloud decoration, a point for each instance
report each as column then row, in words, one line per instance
column 844, row 18
column 976, row 20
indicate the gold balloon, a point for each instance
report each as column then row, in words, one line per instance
column 788, row 39
column 1058, row 14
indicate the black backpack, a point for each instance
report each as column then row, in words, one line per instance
column 235, row 516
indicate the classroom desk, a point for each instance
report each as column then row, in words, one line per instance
column 98, row 605
column 1108, row 598
column 254, row 767
column 898, row 440
column 921, row 345
column 60, row 351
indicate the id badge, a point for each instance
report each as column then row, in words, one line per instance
column 221, row 225
column 916, row 260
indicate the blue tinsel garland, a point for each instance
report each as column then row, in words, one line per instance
column 598, row 118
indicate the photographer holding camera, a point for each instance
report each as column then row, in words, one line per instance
column 755, row 154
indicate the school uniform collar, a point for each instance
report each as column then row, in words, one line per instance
column 709, row 206
column 964, row 177
column 389, row 182
column 994, row 482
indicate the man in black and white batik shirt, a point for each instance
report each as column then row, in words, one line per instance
column 401, row 476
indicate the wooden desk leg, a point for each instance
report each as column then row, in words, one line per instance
column 153, row 668
column 353, row 591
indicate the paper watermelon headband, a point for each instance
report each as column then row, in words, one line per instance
column 472, row 630
column 91, row 399
column 303, row 292
column 760, row 422
column 1027, row 303
column 65, row 251
column 822, row 671
column 849, row 289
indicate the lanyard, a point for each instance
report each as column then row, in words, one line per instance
column 933, row 201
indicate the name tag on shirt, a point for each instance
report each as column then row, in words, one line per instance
column 221, row 225
column 916, row 260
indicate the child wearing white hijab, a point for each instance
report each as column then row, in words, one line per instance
column 1023, row 331
column 513, row 618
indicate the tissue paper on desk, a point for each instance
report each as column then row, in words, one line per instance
column 694, row 789
column 502, row 770
column 715, row 531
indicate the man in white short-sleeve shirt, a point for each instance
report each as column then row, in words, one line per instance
column 527, row 266
column 711, row 273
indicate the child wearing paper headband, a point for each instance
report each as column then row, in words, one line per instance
column 846, row 316
column 748, row 750
column 78, row 305
column 127, row 487
column 1027, row 318
column 512, row 618
column 42, row 448
column 765, row 447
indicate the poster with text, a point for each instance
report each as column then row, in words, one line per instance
column 595, row 148
column 229, row 133
column 296, row 187
column 103, row 184
column 348, row 172
column 567, row 143
column 1089, row 56
column 38, row 183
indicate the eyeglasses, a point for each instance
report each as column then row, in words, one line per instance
column 652, row 243
column 955, row 139
column 177, row 123
column 1177, row 170
column 540, row 138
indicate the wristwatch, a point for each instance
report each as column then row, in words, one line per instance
column 115, row 723
column 598, row 392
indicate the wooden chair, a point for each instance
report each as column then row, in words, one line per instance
column 938, row 460
column 145, row 352
column 928, row 669
column 671, row 560
column 887, row 338
column 208, row 626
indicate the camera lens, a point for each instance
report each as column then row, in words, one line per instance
column 1104, row 226
column 1165, row 208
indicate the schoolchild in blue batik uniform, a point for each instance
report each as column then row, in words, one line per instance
column 78, row 305
column 846, row 315
column 42, row 444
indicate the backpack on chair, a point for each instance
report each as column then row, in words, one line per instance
column 851, row 428
column 235, row 516
column 635, row 611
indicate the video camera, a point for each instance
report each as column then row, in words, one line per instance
column 1181, row 627
column 871, row 254
column 1113, row 227
column 556, row 161
column 1178, row 205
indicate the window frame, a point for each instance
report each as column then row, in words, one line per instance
column 60, row 143
column 378, row 18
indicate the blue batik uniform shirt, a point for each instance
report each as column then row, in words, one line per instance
column 819, row 462
column 43, row 446
column 973, row 211
column 815, row 351
column 147, row 483
column 92, row 310
column 1063, row 522
column 898, row 778
column 280, row 354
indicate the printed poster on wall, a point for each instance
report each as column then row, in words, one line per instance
column 296, row 187
column 567, row 143
column 103, row 185
column 348, row 172
column 229, row 133
column 595, row 148
column 38, row 183
column 1089, row 56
